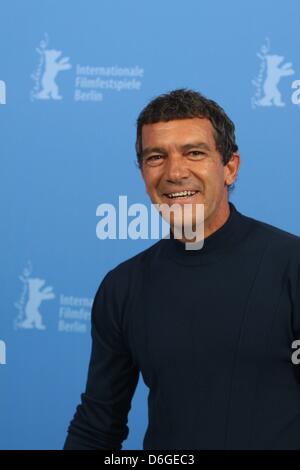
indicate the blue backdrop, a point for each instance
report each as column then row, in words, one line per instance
column 73, row 78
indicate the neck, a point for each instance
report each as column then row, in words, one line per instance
column 223, row 240
column 211, row 223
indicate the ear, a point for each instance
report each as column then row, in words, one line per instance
column 232, row 168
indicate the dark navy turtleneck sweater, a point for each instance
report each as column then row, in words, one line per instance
column 210, row 331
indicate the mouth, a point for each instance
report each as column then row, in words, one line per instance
column 186, row 195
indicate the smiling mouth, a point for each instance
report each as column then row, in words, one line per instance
column 181, row 194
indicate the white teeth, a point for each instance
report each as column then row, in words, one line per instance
column 182, row 193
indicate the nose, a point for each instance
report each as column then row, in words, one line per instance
column 176, row 168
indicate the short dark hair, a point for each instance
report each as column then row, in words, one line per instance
column 184, row 104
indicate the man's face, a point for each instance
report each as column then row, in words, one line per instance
column 181, row 155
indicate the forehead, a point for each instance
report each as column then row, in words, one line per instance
column 179, row 131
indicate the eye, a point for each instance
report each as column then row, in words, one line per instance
column 153, row 159
column 196, row 153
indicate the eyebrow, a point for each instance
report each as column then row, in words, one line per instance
column 183, row 148
column 202, row 145
column 146, row 151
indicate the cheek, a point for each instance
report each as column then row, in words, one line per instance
column 212, row 175
column 151, row 180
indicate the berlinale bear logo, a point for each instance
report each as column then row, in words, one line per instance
column 2, row 352
column 272, row 70
column 274, row 73
column 2, row 92
column 50, row 64
column 33, row 294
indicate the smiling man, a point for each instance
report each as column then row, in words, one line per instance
column 181, row 164
column 210, row 330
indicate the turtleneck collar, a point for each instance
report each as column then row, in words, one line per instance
column 215, row 245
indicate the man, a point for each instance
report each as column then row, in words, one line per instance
column 211, row 329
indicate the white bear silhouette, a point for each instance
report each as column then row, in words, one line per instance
column 2, row 352
column 52, row 67
column 35, row 297
column 2, row 92
column 274, row 74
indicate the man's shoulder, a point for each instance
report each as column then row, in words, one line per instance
column 135, row 263
column 275, row 234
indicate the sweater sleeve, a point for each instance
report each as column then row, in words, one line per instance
column 293, row 276
column 100, row 421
